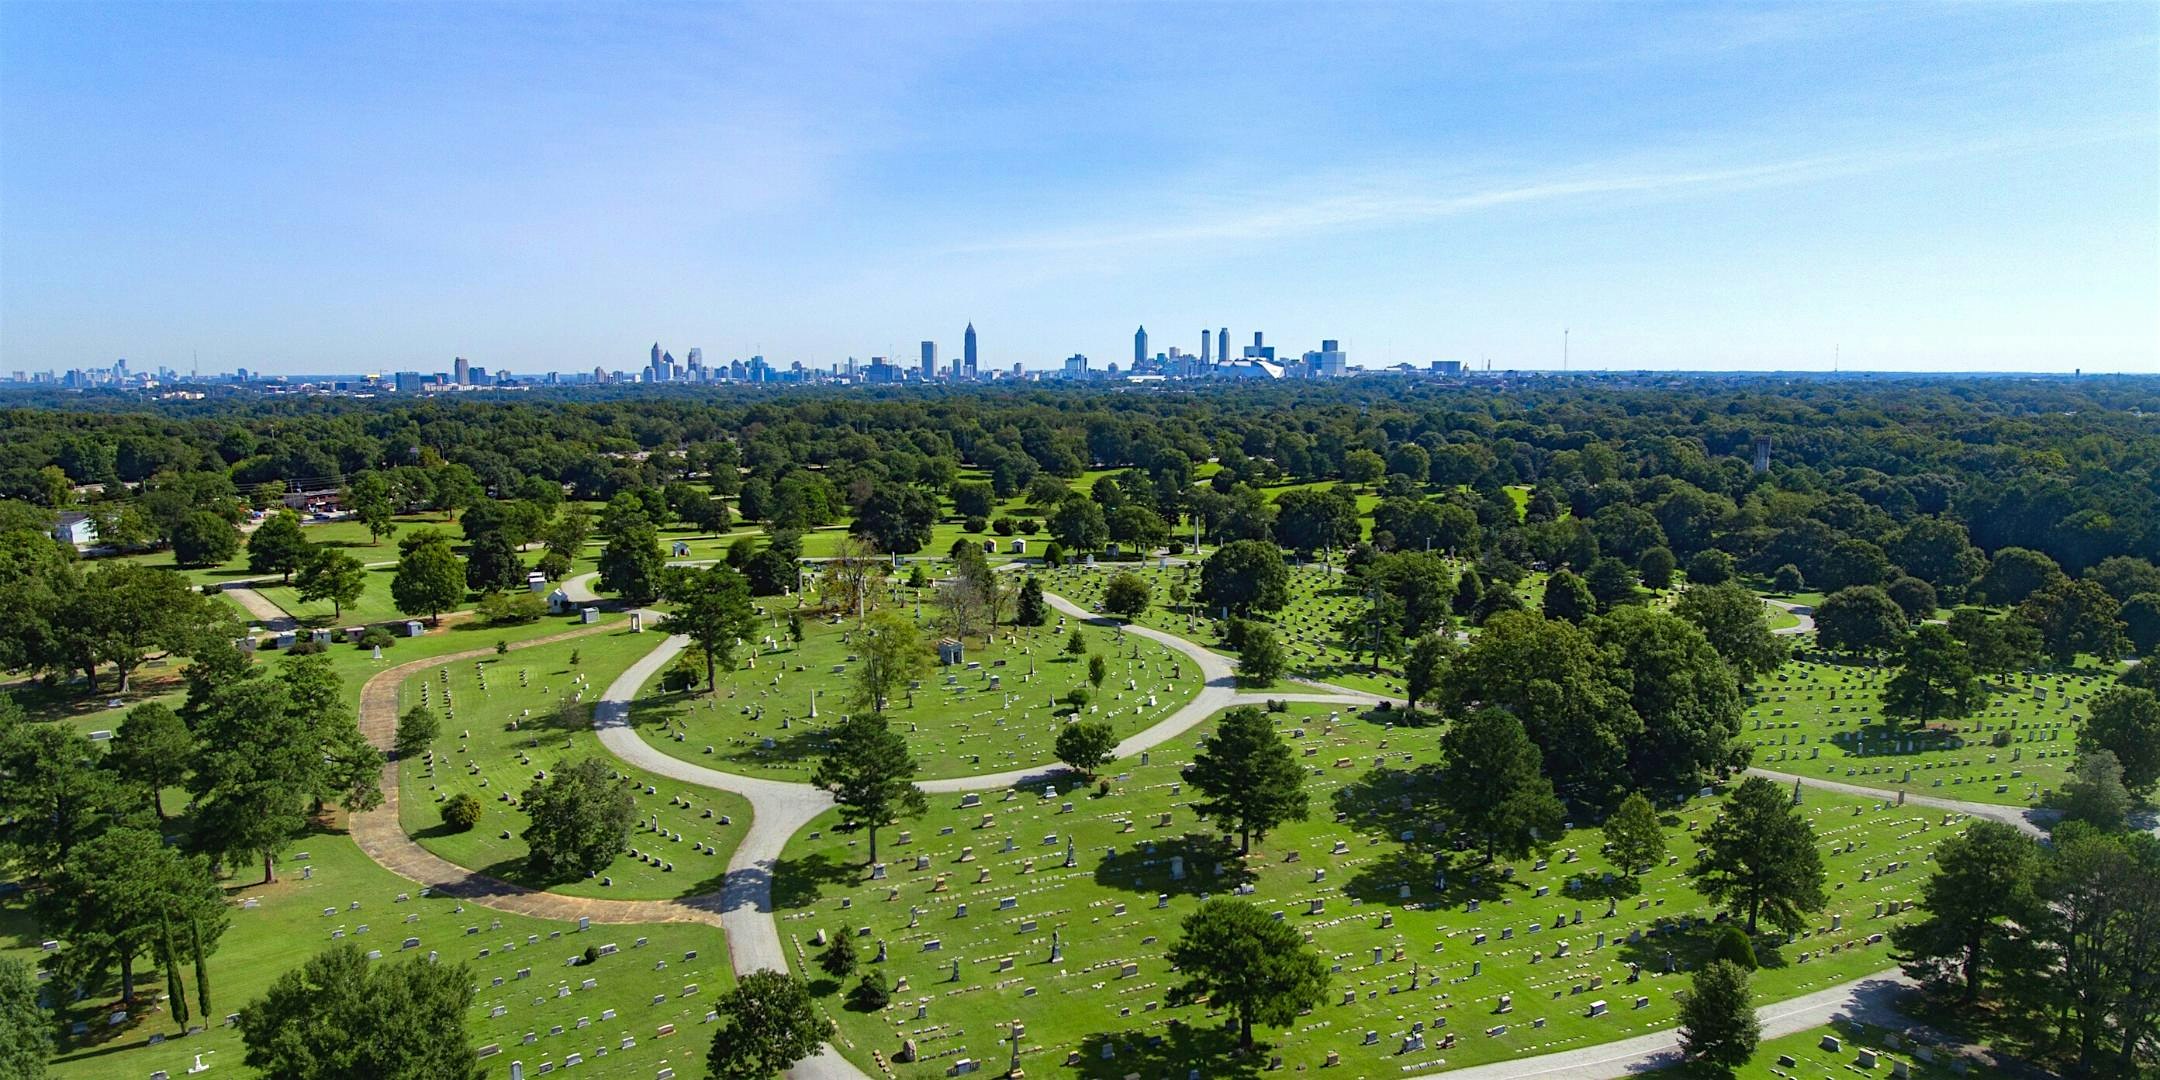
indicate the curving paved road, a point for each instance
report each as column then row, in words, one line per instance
column 743, row 907
column 1802, row 612
column 2021, row 818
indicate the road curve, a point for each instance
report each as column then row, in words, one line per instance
column 743, row 907
column 382, row 836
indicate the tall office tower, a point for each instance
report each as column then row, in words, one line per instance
column 461, row 370
column 1204, row 343
column 1139, row 347
column 1222, row 346
column 967, row 352
column 1762, row 453
column 929, row 360
column 655, row 355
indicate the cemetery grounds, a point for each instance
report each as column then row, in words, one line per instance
column 989, row 713
column 1054, row 907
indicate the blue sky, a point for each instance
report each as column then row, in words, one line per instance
column 365, row 187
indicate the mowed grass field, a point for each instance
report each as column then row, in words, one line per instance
column 505, row 721
column 962, row 720
column 1409, row 959
column 1822, row 718
column 520, row 966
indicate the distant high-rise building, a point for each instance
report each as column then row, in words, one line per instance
column 1222, row 346
column 1139, row 346
column 968, row 357
column 461, row 371
column 1762, row 453
column 929, row 360
column 1204, row 343
column 1076, row 366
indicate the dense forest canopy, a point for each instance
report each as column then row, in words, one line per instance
column 2069, row 468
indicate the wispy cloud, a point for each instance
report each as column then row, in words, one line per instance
column 1396, row 197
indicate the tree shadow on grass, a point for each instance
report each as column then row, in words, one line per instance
column 1176, row 1052
column 801, row 882
column 1135, row 869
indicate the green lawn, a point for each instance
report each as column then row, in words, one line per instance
column 1818, row 717
column 506, row 719
column 1309, row 627
column 1403, row 952
column 957, row 724
column 1811, row 1057
column 288, row 923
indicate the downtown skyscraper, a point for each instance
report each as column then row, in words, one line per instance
column 967, row 353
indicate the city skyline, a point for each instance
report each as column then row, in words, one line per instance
column 350, row 189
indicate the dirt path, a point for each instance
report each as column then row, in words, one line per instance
column 382, row 836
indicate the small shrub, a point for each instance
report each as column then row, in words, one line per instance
column 269, row 641
column 502, row 648
column 1177, row 547
column 976, row 524
column 1030, row 526
column 511, row 608
column 462, row 812
column 306, row 647
column 1004, row 525
column 592, row 954
column 1102, row 787
column 377, row 638
column 872, row 993
column 2000, row 739
column 1732, row 944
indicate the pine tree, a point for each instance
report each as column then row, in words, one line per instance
column 1718, row 1029
column 1237, row 957
column 1251, row 779
column 1030, row 609
column 870, row 773
column 1760, row 857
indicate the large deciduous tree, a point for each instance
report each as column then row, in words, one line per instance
column 712, row 608
column 1086, row 745
column 151, row 751
column 1935, row 681
column 899, row 517
column 1859, row 621
column 430, row 577
column 579, row 819
column 768, row 1022
column 1686, row 696
column 1559, row 683
column 1982, row 892
column 1718, row 1029
column 1737, row 624
column 341, row 1016
column 2126, row 722
column 278, row 546
column 893, row 653
column 1492, row 786
column 330, row 574
column 1245, row 577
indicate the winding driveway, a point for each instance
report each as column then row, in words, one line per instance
column 743, row 908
